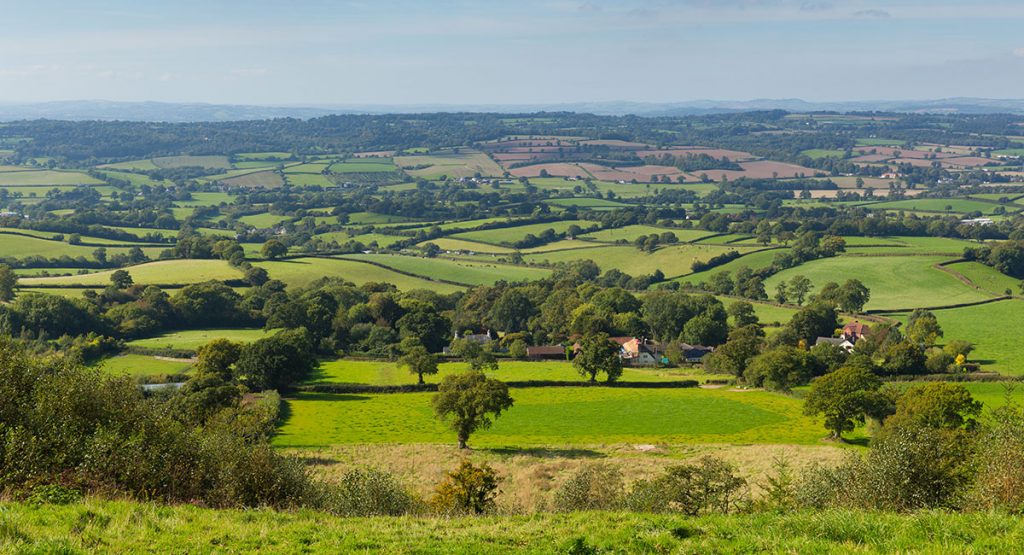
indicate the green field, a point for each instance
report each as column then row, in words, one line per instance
column 18, row 246
column 214, row 162
column 193, row 339
column 987, row 277
column 458, row 271
column 47, row 177
column 136, row 527
column 162, row 272
column 303, row 271
column 672, row 261
column 306, row 168
column 823, row 153
column 905, row 245
column 273, row 156
column 896, row 282
column 957, row 205
column 447, row 243
column 508, row 235
column 994, row 328
column 383, row 372
column 753, row 260
column 268, row 178
column 557, row 416
column 363, row 165
column 342, row 236
column 631, row 232
column 587, row 202
column 142, row 365
column 264, row 220
column 367, row 218
column 308, row 180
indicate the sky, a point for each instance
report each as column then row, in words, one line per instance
column 319, row 52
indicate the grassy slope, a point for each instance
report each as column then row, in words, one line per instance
column 558, row 416
column 631, row 232
column 161, row 272
column 18, row 246
column 470, row 273
column 507, row 235
column 896, row 282
column 193, row 339
column 672, row 261
column 122, row 526
column 303, row 271
column 986, row 277
column 142, row 365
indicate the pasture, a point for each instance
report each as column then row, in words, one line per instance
column 162, row 272
column 300, row 272
column 987, row 277
column 673, row 261
column 263, row 220
column 951, row 206
column 142, row 365
column 189, row 340
column 508, row 235
column 896, row 282
column 384, row 372
column 577, row 416
column 460, row 163
column 20, row 246
column 458, row 271
column 46, row 177
column 449, row 244
column 632, row 232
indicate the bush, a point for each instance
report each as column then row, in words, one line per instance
column 368, row 492
column 594, row 487
column 708, row 486
column 467, row 490
column 53, row 494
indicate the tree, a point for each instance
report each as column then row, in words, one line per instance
column 469, row 401
column 781, row 293
column 904, row 357
column 799, row 287
column 8, row 282
column 100, row 255
column 780, row 369
column 121, row 279
column 742, row 314
column 418, row 361
column 1008, row 258
column 853, row 295
column 256, row 276
column 732, row 357
column 846, row 397
column 598, row 355
column 923, row 327
column 809, row 323
column 707, row 328
column 278, row 361
column 479, row 359
column 511, row 311
column 517, row 349
column 273, row 249
column 939, row 405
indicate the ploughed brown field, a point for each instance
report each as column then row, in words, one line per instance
column 762, row 169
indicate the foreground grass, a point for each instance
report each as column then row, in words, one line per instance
column 120, row 527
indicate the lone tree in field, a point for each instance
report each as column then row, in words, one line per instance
column 273, row 249
column 121, row 279
column 8, row 282
column 469, row 401
column 598, row 354
column 846, row 397
column 419, row 362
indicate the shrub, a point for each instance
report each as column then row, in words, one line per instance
column 53, row 494
column 708, row 486
column 467, row 490
column 367, row 492
column 594, row 487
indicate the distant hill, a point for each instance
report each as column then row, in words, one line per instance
column 77, row 110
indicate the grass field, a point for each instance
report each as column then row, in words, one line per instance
column 367, row 218
column 906, row 245
column 458, row 271
column 134, row 527
column 753, row 260
column 256, row 179
column 47, row 177
column 382, row 372
column 823, row 153
column 557, row 416
column 142, row 365
column 193, row 339
column 587, row 202
column 366, row 238
column 18, row 246
column 447, row 243
column 303, row 271
column 162, row 272
column 363, row 165
column 263, row 220
column 994, row 328
column 631, row 232
column 507, row 235
column 214, row 162
column 896, row 282
column 464, row 164
column 987, row 277
column 672, row 261
column 957, row 206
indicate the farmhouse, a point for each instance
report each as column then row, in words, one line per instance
column 637, row 352
column 854, row 331
column 841, row 342
column 694, row 353
column 481, row 338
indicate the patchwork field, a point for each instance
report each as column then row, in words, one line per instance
column 672, row 261
column 631, row 232
column 19, row 246
column 508, row 235
column 464, row 163
column 46, row 177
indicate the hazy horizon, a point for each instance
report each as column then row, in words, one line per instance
column 321, row 53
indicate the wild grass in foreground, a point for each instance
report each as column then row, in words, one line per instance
column 120, row 527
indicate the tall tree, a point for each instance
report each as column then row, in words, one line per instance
column 8, row 282
column 846, row 397
column 598, row 355
column 418, row 361
column 469, row 402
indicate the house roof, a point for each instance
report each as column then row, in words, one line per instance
column 837, row 341
column 856, row 328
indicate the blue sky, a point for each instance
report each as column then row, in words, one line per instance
column 509, row 52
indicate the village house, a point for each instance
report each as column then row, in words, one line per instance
column 481, row 338
column 853, row 331
column 637, row 351
column 841, row 342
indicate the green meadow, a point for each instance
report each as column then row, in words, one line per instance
column 557, row 416
column 142, row 365
column 178, row 272
column 193, row 339
column 508, row 235
column 303, row 271
column 672, row 261
column 458, row 271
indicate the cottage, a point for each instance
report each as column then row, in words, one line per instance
column 638, row 352
column 854, row 331
column 841, row 342
column 546, row 352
